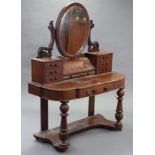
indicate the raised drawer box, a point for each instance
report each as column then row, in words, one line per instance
column 101, row 60
column 47, row 70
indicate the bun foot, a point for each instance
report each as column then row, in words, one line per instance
column 62, row 146
column 119, row 125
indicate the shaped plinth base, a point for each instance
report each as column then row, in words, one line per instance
column 95, row 121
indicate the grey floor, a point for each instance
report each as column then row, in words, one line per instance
column 95, row 141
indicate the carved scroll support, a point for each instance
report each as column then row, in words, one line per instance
column 44, row 52
column 92, row 46
column 119, row 109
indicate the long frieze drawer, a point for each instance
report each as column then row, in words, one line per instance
column 100, row 89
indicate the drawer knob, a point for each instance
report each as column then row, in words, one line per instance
column 90, row 91
column 105, row 89
column 93, row 91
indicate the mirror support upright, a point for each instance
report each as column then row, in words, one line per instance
column 44, row 52
column 92, row 46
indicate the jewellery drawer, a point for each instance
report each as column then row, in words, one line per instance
column 53, row 71
column 54, row 64
column 102, row 61
column 105, row 57
column 104, row 67
column 47, row 70
column 53, row 68
column 53, row 78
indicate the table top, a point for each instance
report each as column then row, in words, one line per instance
column 79, row 87
column 86, row 81
column 83, row 82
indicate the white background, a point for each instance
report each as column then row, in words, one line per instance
column 144, row 63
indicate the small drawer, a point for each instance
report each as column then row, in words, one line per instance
column 51, row 79
column 89, row 91
column 105, row 69
column 54, row 65
column 105, row 63
column 106, row 57
column 53, row 72
column 45, row 68
column 104, row 66
column 93, row 91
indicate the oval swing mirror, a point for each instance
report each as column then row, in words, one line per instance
column 72, row 30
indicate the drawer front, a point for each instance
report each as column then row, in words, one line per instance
column 104, row 67
column 54, row 66
column 100, row 89
column 90, row 91
column 104, row 63
column 105, row 57
column 53, row 78
column 53, row 71
column 50, row 69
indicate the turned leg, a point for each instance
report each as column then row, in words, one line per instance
column 91, row 105
column 63, row 133
column 119, row 109
column 44, row 114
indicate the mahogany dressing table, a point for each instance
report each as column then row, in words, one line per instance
column 74, row 75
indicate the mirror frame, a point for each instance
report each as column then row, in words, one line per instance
column 57, row 32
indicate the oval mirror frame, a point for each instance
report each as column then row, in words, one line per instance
column 58, row 25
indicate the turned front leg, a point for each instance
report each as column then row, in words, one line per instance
column 119, row 109
column 63, row 134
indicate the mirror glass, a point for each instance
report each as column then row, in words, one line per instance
column 73, row 31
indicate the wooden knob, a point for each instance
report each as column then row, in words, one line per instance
column 105, row 89
column 93, row 91
column 90, row 91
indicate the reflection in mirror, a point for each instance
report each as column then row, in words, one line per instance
column 73, row 30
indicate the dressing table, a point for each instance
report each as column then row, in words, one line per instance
column 73, row 75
